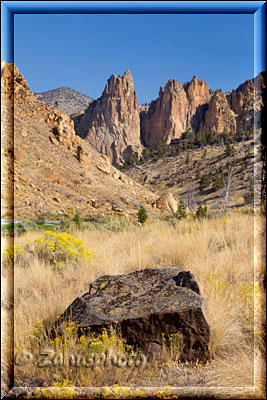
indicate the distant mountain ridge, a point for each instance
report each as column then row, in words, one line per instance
column 65, row 99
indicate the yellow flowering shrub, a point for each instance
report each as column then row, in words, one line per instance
column 17, row 254
column 173, row 345
column 61, row 389
column 104, row 341
column 57, row 248
column 53, row 248
column 13, row 252
column 39, row 331
column 88, row 342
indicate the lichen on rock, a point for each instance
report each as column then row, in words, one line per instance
column 142, row 306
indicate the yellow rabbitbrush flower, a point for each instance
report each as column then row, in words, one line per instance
column 173, row 344
column 53, row 248
column 57, row 248
column 249, row 296
column 12, row 252
column 64, row 383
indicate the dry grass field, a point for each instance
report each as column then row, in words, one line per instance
column 227, row 259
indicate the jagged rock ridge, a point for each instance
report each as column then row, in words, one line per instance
column 111, row 123
column 194, row 107
column 117, row 127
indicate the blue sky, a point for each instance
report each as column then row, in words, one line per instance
column 82, row 51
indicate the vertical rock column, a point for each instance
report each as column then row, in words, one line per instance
column 112, row 124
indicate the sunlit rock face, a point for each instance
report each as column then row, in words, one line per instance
column 219, row 117
column 246, row 102
column 174, row 111
column 112, row 124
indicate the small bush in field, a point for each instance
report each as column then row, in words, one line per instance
column 57, row 248
column 116, row 224
column 67, row 226
column 78, row 220
column 25, row 225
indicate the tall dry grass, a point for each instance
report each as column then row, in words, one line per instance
column 226, row 258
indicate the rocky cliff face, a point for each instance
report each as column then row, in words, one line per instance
column 219, row 117
column 176, row 110
column 46, row 169
column 194, row 107
column 117, row 127
column 246, row 102
column 111, row 124
column 166, row 117
column 198, row 95
column 16, row 89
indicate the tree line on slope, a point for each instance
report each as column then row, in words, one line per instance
column 190, row 140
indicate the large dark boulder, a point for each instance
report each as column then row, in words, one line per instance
column 144, row 304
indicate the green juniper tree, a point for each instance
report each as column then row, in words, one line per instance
column 181, row 211
column 218, row 182
column 205, row 181
column 146, row 154
column 142, row 215
column 160, row 149
column 202, row 212
column 178, row 150
column 78, row 220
